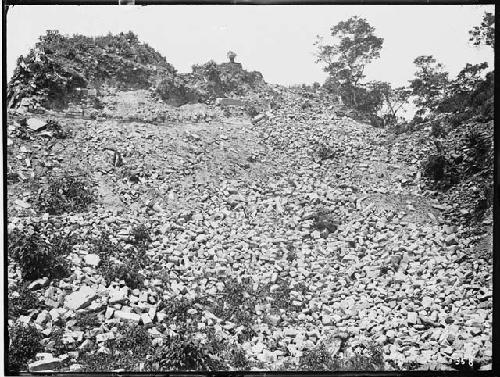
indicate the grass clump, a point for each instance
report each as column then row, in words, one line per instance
column 66, row 193
column 24, row 344
column 38, row 254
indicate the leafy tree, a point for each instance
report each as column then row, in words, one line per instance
column 429, row 84
column 354, row 46
column 391, row 100
column 484, row 33
column 460, row 89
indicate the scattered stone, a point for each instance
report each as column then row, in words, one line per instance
column 80, row 299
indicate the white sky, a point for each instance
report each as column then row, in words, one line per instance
column 275, row 40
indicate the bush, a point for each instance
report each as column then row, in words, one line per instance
column 140, row 234
column 435, row 167
column 38, row 256
column 320, row 359
column 24, row 344
column 132, row 262
column 20, row 305
column 67, row 193
column 113, row 272
column 126, row 351
column 325, row 152
column 188, row 350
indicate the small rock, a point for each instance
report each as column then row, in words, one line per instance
column 92, row 259
column 45, row 365
column 132, row 317
column 36, row 124
column 38, row 283
column 80, row 299
column 22, row 204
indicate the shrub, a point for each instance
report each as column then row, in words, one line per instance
column 66, row 193
column 320, row 358
column 87, row 321
column 126, row 351
column 236, row 302
column 325, row 152
column 24, row 344
column 435, row 167
column 113, row 272
column 188, row 350
column 20, row 305
column 132, row 262
column 140, row 234
column 317, row 359
column 37, row 256
column 132, row 338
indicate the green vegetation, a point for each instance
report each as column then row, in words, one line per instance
column 69, row 192
column 24, row 344
column 132, row 261
column 40, row 252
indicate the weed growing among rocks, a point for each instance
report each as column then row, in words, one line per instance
column 132, row 262
column 22, row 302
column 38, row 255
column 189, row 350
column 24, row 344
column 127, row 351
column 66, row 193
column 321, row 358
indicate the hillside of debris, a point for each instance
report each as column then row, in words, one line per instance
column 155, row 225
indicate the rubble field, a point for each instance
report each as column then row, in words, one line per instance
column 324, row 220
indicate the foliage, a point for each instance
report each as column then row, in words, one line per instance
column 66, row 193
column 236, row 302
column 320, row 358
column 434, row 167
column 58, row 65
column 469, row 94
column 131, row 262
column 354, row 46
column 140, row 234
column 428, row 86
column 326, row 152
column 485, row 32
column 39, row 254
column 188, row 350
column 24, row 344
column 87, row 321
column 126, row 351
column 20, row 304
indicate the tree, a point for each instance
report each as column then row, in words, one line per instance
column 459, row 90
column 429, row 84
column 484, row 33
column 354, row 46
column 392, row 100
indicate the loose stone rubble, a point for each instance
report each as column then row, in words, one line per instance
column 227, row 197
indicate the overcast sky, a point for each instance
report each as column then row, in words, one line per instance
column 275, row 40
